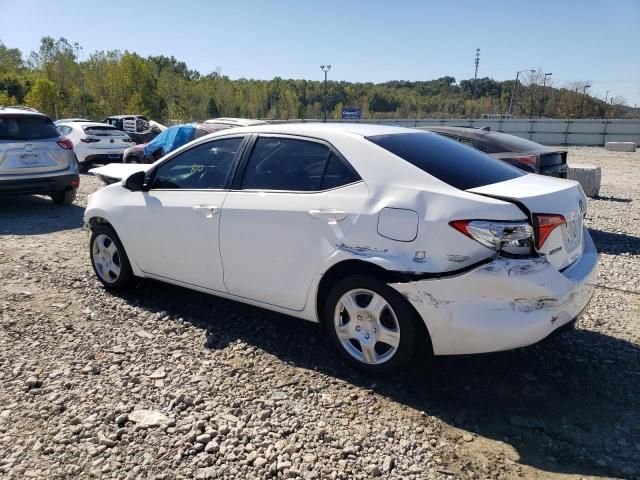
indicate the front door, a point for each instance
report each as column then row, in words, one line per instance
column 177, row 220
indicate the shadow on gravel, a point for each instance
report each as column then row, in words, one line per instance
column 615, row 243
column 613, row 199
column 35, row 215
column 570, row 404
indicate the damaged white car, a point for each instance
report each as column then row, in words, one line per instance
column 390, row 237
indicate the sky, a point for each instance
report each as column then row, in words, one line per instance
column 364, row 41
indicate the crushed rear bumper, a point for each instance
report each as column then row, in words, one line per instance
column 504, row 304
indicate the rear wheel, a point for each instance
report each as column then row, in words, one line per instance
column 108, row 258
column 64, row 198
column 132, row 159
column 83, row 167
column 371, row 324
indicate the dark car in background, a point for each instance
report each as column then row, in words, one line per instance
column 139, row 128
column 519, row 152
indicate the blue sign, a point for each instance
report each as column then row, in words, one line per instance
column 351, row 114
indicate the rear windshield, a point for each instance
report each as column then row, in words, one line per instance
column 102, row 130
column 26, row 127
column 511, row 143
column 456, row 164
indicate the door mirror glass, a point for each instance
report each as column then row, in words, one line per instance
column 135, row 182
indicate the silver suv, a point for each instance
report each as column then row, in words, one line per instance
column 34, row 157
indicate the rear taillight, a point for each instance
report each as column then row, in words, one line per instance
column 544, row 224
column 128, row 140
column 66, row 144
column 527, row 160
column 89, row 140
column 515, row 238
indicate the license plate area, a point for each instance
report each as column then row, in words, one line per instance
column 115, row 155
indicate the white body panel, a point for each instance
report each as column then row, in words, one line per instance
column 111, row 142
column 275, row 247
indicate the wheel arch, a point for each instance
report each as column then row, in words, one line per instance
column 361, row 267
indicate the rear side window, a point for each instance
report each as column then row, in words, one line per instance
column 26, row 127
column 285, row 164
column 337, row 173
column 460, row 166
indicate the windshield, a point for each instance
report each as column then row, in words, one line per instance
column 27, row 127
column 456, row 164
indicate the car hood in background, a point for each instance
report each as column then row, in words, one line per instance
column 114, row 172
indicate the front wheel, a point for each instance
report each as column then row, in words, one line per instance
column 109, row 260
column 371, row 324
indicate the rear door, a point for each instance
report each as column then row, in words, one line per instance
column 294, row 204
column 28, row 144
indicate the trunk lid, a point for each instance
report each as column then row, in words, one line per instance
column 552, row 196
column 107, row 138
column 32, row 156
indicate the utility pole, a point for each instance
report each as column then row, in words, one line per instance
column 475, row 75
column 325, row 69
column 513, row 92
column 584, row 95
column 606, row 96
column 544, row 85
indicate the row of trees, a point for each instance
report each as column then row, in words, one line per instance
column 54, row 80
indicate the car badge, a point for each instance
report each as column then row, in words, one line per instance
column 28, row 148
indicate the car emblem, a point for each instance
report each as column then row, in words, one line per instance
column 28, row 148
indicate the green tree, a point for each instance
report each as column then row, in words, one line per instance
column 43, row 96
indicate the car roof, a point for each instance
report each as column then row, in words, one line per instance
column 118, row 117
column 87, row 124
column 469, row 132
column 322, row 129
column 243, row 122
column 21, row 111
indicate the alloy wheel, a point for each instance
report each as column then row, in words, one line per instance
column 106, row 258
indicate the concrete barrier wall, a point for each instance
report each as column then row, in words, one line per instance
column 545, row 131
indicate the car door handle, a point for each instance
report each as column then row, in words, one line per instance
column 328, row 214
column 207, row 210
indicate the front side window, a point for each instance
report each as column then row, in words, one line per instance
column 459, row 166
column 294, row 165
column 206, row 166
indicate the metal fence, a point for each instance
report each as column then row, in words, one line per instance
column 545, row 131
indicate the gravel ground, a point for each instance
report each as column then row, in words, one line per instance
column 162, row 382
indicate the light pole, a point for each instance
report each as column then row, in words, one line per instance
column 606, row 96
column 475, row 75
column 544, row 84
column 584, row 94
column 513, row 92
column 325, row 69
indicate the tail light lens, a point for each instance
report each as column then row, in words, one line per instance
column 544, row 224
column 515, row 238
column 89, row 140
column 66, row 144
column 527, row 160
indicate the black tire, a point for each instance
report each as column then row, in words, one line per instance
column 64, row 198
column 125, row 275
column 133, row 159
column 405, row 318
column 83, row 167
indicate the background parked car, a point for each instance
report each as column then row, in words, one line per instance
column 139, row 128
column 95, row 142
column 519, row 152
column 234, row 122
column 34, row 157
column 167, row 141
column 67, row 120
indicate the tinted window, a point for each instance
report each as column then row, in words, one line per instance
column 104, row 130
column 453, row 163
column 503, row 142
column 337, row 173
column 285, row 164
column 206, row 166
column 26, row 127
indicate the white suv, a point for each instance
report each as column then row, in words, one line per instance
column 34, row 157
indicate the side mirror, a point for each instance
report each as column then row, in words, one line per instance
column 135, row 182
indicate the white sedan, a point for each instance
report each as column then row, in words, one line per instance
column 390, row 237
column 94, row 142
